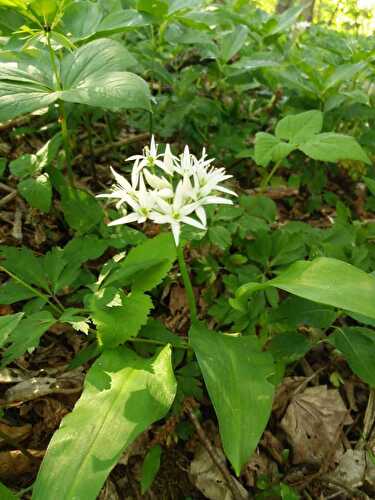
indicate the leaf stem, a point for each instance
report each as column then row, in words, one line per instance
column 267, row 179
column 142, row 340
column 187, row 284
column 32, row 289
column 62, row 113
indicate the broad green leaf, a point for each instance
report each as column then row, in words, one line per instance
column 301, row 127
column 370, row 183
column 155, row 330
column 26, row 335
column 232, row 42
column 37, row 192
column 220, row 236
column 12, row 291
column 19, row 98
column 26, row 85
column 81, row 210
column 6, row 493
column 146, row 265
column 253, row 63
column 286, row 20
column 123, row 395
column 25, row 265
column 122, row 20
column 264, row 144
column 343, row 73
column 120, row 317
column 236, row 374
column 295, row 311
column 157, row 8
column 287, row 347
column 81, row 19
column 7, row 324
column 24, row 165
column 92, row 61
column 116, row 90
column 269, row 148
column 324, row 280
column 45, row 9
column 333, row 147
column 150, row 467
column 94, row 74
column 357, row 344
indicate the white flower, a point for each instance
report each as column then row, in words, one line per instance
column 149, row 158
column 177, row 212
column 142, row 206
column 123, row 191
column 175, row 199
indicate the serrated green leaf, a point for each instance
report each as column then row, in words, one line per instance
column 146, row 265
column 37, row 192
column 242, row 409
column 118, row 317
column 7, row 324
column 26, row 335
column 25, row 265
column 82, row 211
column 12, row 291
column 123, row 395
column 220, row 236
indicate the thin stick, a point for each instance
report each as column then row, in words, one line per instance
column 237, row 494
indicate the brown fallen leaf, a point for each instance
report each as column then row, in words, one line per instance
column 14, row 463
column 312, row 423
column 15, row 433
column 109, row 491
column 207, row 478
column 260, row 465
column 37, row 387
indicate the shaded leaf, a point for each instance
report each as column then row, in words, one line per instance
column 242, row 409
column 123, row 395
column 358, row 347
column 324, row 280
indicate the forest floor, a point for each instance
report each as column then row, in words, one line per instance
column 324, row 424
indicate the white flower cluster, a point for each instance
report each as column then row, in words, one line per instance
column 166, row 189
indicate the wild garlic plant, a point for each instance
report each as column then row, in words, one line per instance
column 173, row 190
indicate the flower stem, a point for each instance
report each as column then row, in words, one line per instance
column 187, row 284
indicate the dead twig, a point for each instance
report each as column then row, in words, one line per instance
column 6, row 199
column 237, row 494
column 117, row 144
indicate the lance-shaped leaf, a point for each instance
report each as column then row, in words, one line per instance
column 123, row 395
column 236, row 374
column 94, row 74
column 324, row 280
column 358, row 347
